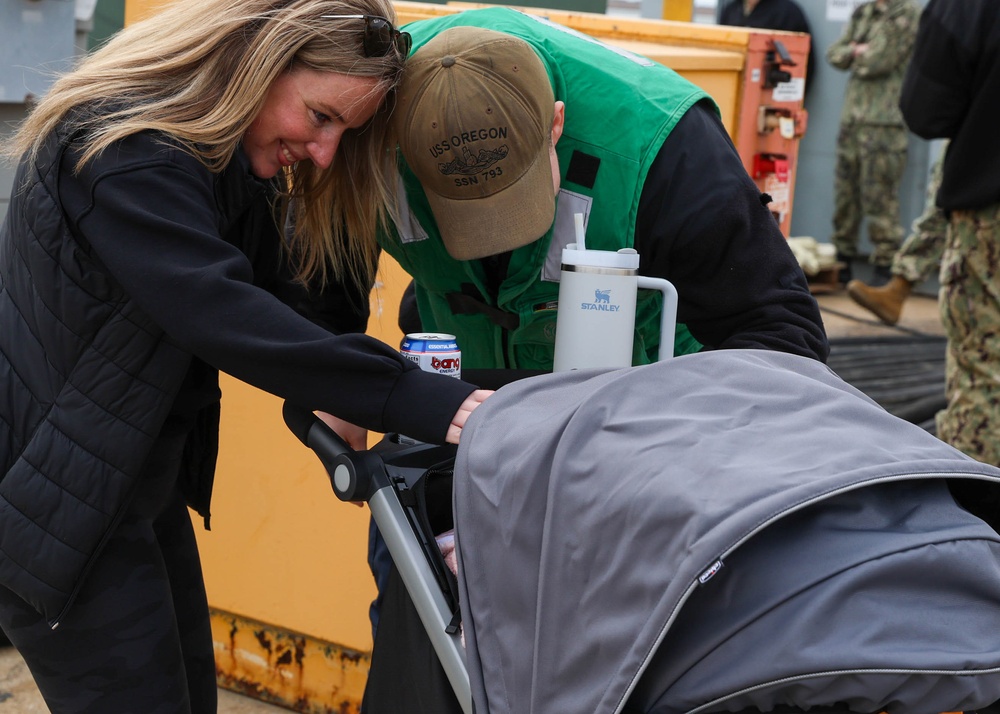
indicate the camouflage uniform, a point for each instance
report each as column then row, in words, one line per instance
column 872, row 143
column 970, row 312
column 921, row 252
column 952, row 91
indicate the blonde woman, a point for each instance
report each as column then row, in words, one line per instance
column 140, row 255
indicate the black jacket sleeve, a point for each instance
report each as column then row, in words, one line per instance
column 152, row 218
column 937, row 87
column 703, row 225
column 340, row 306
column 952, row 90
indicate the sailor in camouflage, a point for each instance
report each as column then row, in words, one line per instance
column 920, row 255
column 951, row 90
column 914, row 262
column 872, row 144
column 968, row 302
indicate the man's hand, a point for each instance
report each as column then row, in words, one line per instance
column 468, row 406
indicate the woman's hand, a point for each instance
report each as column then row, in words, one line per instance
column 468, row 406
column 355, row 436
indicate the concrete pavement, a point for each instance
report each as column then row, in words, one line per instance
column 19, row 695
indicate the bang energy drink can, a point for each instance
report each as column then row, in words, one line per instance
column 434, row 352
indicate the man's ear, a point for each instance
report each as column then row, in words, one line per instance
column 558, row 120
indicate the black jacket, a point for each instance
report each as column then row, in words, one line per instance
column 952, row 90
column 768, row 14
column 783, row 15
column 118, row 288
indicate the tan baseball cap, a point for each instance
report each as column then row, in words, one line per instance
column 474, row 116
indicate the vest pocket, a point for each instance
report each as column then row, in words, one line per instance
column 532, row 346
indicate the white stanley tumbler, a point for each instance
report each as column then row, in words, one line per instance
column 595, row 320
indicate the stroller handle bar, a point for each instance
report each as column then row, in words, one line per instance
column 362, row 476
column 301, row 421
column 354, row 475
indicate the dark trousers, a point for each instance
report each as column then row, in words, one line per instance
column 137, row 640
column 380, row 563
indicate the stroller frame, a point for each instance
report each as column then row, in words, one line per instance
column 364, row 476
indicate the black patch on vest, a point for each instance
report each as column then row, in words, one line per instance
column 583, row 169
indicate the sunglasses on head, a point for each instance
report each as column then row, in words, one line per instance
column 380, row 36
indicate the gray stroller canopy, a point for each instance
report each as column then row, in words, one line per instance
column 715, row 532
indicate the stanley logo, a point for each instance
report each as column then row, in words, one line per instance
column 602, row 302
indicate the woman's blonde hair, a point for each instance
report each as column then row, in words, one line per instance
column 199, row 70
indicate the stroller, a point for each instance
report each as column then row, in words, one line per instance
column 731, row 531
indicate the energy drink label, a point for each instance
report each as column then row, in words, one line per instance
column 434, row 352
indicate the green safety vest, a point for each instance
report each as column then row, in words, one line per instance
column 603, row 165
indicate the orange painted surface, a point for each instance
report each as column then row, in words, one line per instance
column 289, row 669
column 136, row 10
column 677, row 10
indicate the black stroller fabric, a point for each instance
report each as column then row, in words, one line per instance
column 716, row 532
column 405, row 674
column 921, row 568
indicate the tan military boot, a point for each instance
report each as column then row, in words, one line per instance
column 886, row 302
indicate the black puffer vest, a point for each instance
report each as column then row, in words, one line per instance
column 87, row 382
